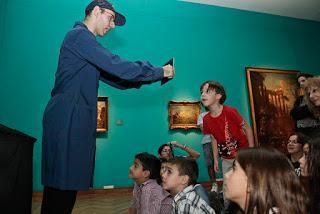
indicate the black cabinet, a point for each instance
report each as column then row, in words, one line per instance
column 16, row 153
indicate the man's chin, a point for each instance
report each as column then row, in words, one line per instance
column 106, row 31
column 102, row 34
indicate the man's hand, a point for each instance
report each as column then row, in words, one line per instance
column 168, row 71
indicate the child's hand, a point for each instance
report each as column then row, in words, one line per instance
column 216, row 166
column 175, row 144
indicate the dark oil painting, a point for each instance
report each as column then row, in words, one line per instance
column 272, row 95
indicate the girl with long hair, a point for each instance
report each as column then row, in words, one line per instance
column 263, row 181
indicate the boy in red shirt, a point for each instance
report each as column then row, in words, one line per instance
column 229, row 131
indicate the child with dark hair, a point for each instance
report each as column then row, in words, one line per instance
column 263, row 181
column 165, row 151
column 179, row 178
column 148, row 196
column 229, row 131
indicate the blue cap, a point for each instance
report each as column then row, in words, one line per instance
column 119, row 19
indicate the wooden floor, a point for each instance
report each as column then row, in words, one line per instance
column 108, row 201
column 93, row 202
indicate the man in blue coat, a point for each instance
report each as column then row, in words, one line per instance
column 70, row 117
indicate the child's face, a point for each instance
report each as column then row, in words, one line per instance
column 209, row 96
column 136, row 171
column 235, row 185
column 163, row 168
column 171, row 180
column 166, row 153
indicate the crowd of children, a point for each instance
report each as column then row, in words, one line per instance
column 258, row 180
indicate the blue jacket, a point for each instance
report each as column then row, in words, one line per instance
column 70, row 117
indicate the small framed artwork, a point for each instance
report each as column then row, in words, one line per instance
column 272, row 94
column 102, row 114
column 183, row 114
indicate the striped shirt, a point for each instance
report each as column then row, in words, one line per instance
column 151, row 198
column 188, row 201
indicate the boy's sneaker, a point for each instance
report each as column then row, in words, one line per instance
column 214, row 187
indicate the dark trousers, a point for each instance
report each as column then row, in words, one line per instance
column 56, row 201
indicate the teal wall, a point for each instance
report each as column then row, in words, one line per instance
column 208, row 43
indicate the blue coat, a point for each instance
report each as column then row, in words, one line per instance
column 70, row 117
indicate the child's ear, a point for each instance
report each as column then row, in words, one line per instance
column 146, row 173
column 185, row 180
column 218, row 96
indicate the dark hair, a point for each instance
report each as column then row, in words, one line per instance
column 186, row 167
column 313, row 168
column 219, row 89
column 151, row 163
column 88, row 12
column 164, row 145
column 161, row 148
column 301, row 138
column 312, row 82
column 272, row 182
column 88, row 9
column 306, row 75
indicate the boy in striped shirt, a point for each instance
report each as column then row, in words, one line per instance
column 148, row 196
column 179, row 177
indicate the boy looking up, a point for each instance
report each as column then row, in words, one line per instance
column 228, row 130
column 148, row 196
column 179, row 178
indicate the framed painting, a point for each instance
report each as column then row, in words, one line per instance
column 272, row 94
column 183, row 114
column 102, row 114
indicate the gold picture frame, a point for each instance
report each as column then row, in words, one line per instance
column 102, row 114
column 272, row 94
column 183, row 115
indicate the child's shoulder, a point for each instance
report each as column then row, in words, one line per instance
column 204, row 113
column 151, row 185
column 189, row 194
column 230, row 109
column 156, row 192
column 195, row 201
